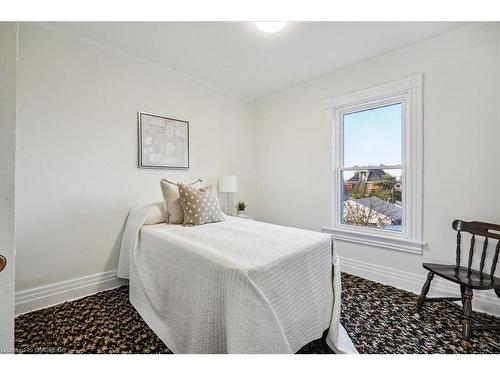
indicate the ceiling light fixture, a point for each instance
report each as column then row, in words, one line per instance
column 270, row 27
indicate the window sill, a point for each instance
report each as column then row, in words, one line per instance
column 387, row 242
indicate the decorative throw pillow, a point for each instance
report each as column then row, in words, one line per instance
column 172, row 201
column 200, row 206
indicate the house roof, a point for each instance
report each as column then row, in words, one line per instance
column 373, row 175
column 394, row 211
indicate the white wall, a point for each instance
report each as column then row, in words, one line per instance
column 77, row 152
column 77, row 149
column 461, row 142
column 8, row 76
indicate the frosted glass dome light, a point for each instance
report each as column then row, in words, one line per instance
column 270, row 27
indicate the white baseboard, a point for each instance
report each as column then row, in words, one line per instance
column 484, row 301
column 53, row 294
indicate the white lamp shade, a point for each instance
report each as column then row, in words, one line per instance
column 228, row 184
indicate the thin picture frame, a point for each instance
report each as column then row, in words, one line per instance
column 144, row 157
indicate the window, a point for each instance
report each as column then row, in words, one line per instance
column 371, row 167
column 377, row 166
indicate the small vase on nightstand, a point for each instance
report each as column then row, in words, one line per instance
column 241, row 213
column 240, row 208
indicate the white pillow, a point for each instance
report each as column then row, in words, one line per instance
column 172, row 201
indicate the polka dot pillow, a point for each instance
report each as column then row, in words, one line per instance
column 200, row 206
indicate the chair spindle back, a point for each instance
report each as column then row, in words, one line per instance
column 477, row 228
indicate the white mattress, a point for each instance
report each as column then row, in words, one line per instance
column 237, row 286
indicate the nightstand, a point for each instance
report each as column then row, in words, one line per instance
column 245, row 216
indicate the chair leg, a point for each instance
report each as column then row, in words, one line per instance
column 467, row 318
column 497, row 292
column 424, row 292
column 462, row 291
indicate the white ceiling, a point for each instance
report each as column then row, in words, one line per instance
column 238, row 57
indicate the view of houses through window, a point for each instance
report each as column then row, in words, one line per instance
column 372, row 168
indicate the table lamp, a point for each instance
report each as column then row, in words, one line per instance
column 228, row 185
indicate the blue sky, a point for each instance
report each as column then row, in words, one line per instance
column 373, row 137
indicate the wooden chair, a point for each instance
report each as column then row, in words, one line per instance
column 467, row 277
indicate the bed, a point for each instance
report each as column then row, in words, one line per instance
column 237, row 286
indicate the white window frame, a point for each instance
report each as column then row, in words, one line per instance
column 408, row 92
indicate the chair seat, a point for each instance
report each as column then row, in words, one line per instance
column 461, row 276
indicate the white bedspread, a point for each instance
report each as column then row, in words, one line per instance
column 237, row 286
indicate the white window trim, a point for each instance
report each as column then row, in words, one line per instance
column 410, row 92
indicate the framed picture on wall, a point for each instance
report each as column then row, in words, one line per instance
column 163, row 142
